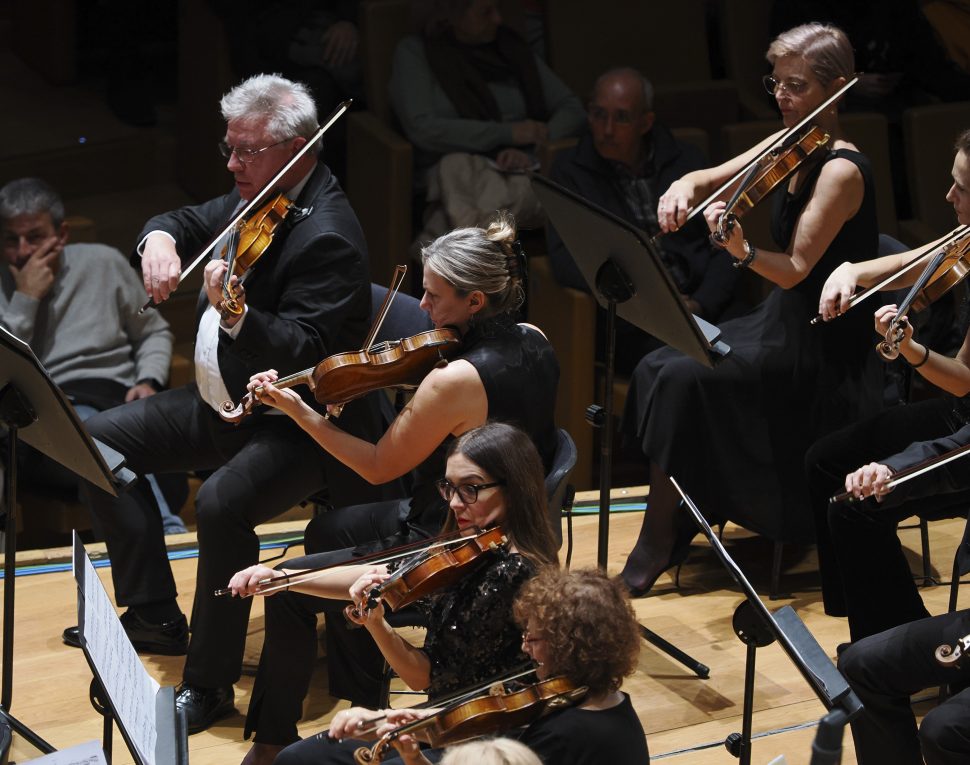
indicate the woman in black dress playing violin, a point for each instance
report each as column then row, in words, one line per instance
column 865, row 574
column 494, row 477
column 735, row 436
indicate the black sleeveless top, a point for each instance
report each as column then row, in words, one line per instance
column 520, row 373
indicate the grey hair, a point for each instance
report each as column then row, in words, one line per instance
column 825, row 47
column 494, row 751
column 628, row 71
column 31, row 196
column 480, row 259
column 287, row 107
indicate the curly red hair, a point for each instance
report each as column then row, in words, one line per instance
column 588, row 623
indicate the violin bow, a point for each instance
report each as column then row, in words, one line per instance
column 261, row 196
column 782, row 142
column 950, row 238
column 910, row 473
column 458, row 697
column 382, row 556
column 335, row 410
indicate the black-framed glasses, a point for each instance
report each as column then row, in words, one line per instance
column 245, row 155
column 467, row 492
column 795, row 87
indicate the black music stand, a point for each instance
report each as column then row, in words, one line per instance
column 112, row 646
column 36, row 412
column 626, row 274
column 756, row 627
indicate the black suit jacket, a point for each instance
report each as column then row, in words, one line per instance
column 308, row 294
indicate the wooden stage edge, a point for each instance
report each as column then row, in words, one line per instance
column 686, row 719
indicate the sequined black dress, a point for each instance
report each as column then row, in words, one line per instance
column 735, row 436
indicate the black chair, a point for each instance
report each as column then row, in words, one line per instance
column 559, row 493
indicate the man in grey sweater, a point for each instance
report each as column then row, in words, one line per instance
column 76, row 305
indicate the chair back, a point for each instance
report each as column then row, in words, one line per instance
column 563, row 463
column 404, row 318
column 928, row 134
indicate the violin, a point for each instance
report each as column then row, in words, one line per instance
column 768, row 171
column 342, row 377
column 492, row 713
column 793, row 134
column 946, row 270
column 436, row 567
column 911, row 472
column 400, row 364
column 247, row 243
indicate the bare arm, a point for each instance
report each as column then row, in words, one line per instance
column 844, row 280
column 836, row 197
column 449, row 400
column 692, row 189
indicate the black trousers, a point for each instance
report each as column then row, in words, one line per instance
column 355, row 664
column 320, row 750
column 262, row 466
column 885, row 670
column 865, row 575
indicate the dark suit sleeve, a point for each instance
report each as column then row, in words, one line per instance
column 192, row 226
column 951, row 477
column 319, row 308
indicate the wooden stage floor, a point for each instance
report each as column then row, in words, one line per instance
column 686, row 719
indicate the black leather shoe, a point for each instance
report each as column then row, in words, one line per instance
column 72, row 637
column 203, row 706
column 169, row 638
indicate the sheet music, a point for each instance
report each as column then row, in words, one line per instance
column 88, row 753
column 129, row 686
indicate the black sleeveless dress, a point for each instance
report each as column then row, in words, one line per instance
column 735, row 436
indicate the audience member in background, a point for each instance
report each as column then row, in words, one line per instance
column 475, row 101
column 77, row 305
column 311, row 41
column 623, row 163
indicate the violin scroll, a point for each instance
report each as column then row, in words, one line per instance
column 951, row 656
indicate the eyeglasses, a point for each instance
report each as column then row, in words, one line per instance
column 245, row 155
column 467, row 492
column 620, row 117
column 528, row 637
column 795, row 87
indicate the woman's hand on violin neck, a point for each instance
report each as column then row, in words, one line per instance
column 283, row 399
column 733, row 236
column 246, row 582
column 160, row 266
column 365, row 583
column 838, row 291
column 675, row 205
column 884, row 317
column 410, row 750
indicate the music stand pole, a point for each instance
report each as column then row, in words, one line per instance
column 15, row 413
column 615, row 287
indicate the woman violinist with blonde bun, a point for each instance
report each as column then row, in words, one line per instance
column 735, row 436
